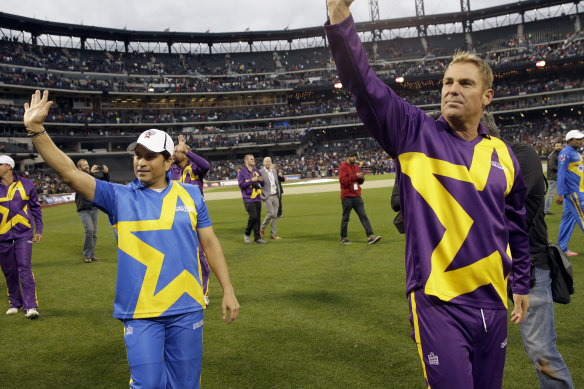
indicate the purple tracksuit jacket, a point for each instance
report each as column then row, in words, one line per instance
column 462, row 201
column 20, row 210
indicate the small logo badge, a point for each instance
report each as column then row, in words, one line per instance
column 198, row 324
column 433, row 359
column 504, row 344
column 129, row 330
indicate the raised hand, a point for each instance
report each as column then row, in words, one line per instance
column 36, row 112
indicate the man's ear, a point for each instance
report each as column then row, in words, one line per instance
column 488, row 97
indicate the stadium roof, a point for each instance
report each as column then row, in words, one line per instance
column 39, row 27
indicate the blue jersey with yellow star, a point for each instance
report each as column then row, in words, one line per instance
column 159, row 272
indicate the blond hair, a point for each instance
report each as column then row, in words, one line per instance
column 484, row 68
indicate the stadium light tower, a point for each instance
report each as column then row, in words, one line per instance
column 376, row 34
column 466, row 23
column 422, row 30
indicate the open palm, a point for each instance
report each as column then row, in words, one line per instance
column 36, row 112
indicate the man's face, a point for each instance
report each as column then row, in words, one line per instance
column 178, row 156
column 576, row 143
column 150, row 167
column 558, row 147
column 352, row 159
column 83, row 166
column 463, row 94
column 4, row 169
column 268, row 163
column 249, row 161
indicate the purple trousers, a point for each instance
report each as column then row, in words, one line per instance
column 204, row 270
column 15, row 259
column 460, row 346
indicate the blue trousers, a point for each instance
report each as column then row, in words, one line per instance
column 165, row 352
column 538, row 331
column 89, row 219
column 573, row 214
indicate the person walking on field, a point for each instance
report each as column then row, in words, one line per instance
column 89, row 214
column 21, row 225
column 571, row 189
column 270, row 198
column 351, row 177
column 462, row 198
column 159, row 224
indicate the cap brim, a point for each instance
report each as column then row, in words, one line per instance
column 133, row 146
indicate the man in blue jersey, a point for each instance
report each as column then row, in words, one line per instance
column 462, row 197
column 158, row 224
column 571, row 189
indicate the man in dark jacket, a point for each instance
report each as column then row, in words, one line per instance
column 552, row 177
column 89, row 213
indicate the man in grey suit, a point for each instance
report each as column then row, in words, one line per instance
column 270, row 197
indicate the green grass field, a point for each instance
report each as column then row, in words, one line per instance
column 314, row 313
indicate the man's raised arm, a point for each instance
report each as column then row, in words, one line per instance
column 338, row 10
column 34, row 117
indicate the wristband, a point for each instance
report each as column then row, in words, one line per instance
column 35, row 134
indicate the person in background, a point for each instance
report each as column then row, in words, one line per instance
column 552, row 177
column 21, row 225
column 89, row 214
column 281, row 179
column 158, row 222
column 191, row 168
column 270, row 198
column 351, row 177
column 571, row 189
column 250, row 182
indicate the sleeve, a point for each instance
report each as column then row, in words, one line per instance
column 387, row 116
column 203, row 219
column 563, row 163
column 105, row 177
column 345, row 176
column 35, row 210
column 105, row 198
column 241, row 179
column 518, row 238
column 200, row 164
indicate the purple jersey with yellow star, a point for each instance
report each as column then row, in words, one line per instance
column 159, row 272
column 462, row 201
column 20, row 210
column 193, row 173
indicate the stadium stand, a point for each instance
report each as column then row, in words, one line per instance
column 279, row 102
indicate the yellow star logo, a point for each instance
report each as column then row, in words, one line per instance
column 6, row 224
column 150, row 302
column 423, row 171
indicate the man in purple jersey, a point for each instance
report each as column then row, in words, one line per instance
column 19, row 208
column 250, row 180
column 462, row 197
column 191, row 168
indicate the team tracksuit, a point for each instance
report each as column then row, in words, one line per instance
column 571, row 186
column 20, row 216
column 465, row 225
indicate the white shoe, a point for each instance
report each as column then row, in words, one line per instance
column 12, row 311
column 31, row 313
column 246, row 238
